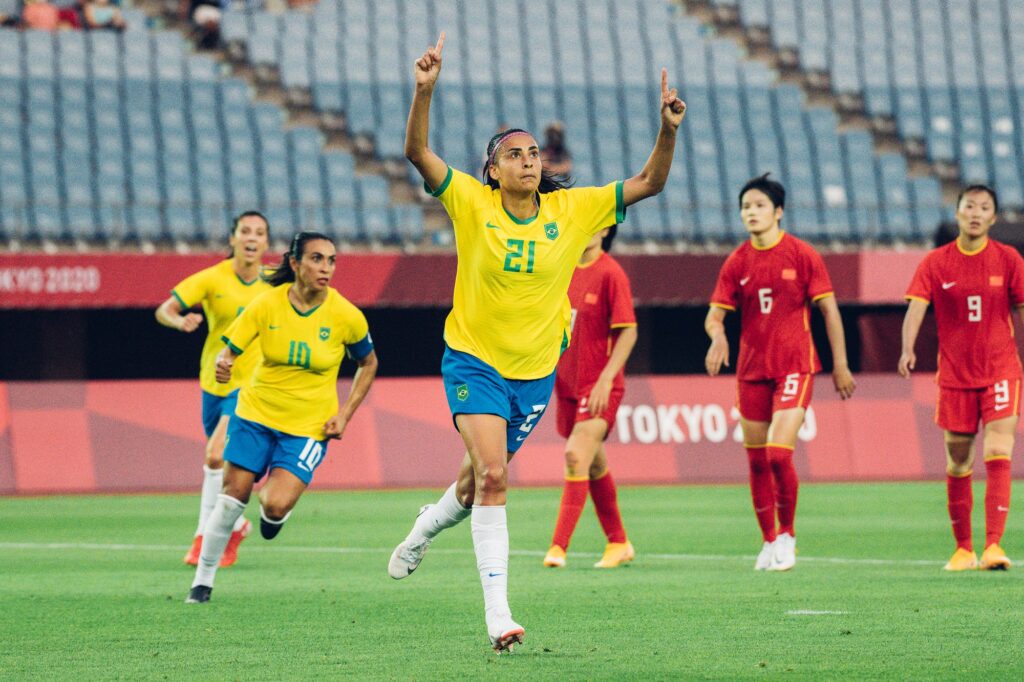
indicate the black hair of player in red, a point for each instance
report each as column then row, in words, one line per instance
column 971, row 189
column 775, row 192
column 248, row 214
column 549, row 182
column 606, row 241
column 283, row 273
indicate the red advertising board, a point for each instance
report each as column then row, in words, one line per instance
column 144, row 281
column 117, row 436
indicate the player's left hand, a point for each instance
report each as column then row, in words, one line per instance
column 225, row 361
column 672, row 108
column 335, row 426
column 842, row 378
column 597, row 401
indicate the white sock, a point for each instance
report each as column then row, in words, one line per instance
column 213, row 481
column 215, row 537
column 490, row 540
column 447, row 512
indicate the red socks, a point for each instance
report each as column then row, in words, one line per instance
column 961, row 500
column 762, row 491
column 997, row 498
column 786, row 485
column 606, row 503
column 574, row 496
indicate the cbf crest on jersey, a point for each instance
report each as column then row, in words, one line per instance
column 325, row 333
column 551, row 230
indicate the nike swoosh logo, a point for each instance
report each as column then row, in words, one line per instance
column 948, row 285
column 1003, row 509
column 1002, row 407
column 744, row 281
column 274, row 326
column 494, row 575
column 492, row 226
column 521, row 438
column 787, row 397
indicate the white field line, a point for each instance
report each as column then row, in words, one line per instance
column 119, row 547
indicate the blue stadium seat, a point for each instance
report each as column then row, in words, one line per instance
column 892, row 172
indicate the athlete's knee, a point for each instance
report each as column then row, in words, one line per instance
column 757, row 458
column 597, row 470
column 959, row 469
column 576, row 462
column 998, row 445
column 465, row 489
column 492, row 478
column 276, row 508
column 214, row 457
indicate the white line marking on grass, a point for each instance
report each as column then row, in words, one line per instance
column 808, row 612
column 118, row 547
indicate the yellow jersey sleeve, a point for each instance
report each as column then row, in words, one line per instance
column 460, row 193
column 192, row 290
column 246, row 327
column 595, row 208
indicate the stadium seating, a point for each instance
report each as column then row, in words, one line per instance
column 599, row 73
column 949, row 88
column 133, row 137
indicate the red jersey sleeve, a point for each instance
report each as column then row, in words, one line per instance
column 1016, row 279
column 921, row 286
column 724, row 295
column 620, row 299
column 819, row 284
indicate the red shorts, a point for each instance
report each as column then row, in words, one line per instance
column 960, row 409
column 758, row 400
column 572, row 410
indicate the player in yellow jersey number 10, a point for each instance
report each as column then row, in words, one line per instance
column 519, row 234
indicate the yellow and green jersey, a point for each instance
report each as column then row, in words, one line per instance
column 294, row 388
column 224, row 295
column 510, row 307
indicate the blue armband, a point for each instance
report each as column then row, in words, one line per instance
column 360, row 349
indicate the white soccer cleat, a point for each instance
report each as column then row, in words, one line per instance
column 505, row 633
column 783, row 553
column 407, row 556
column 764, row 558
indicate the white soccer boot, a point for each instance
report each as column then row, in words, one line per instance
column 783, row 553
column 504, row 632
column 410, row 552
column 764, row 558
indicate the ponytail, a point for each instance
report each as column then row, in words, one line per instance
column 284, row 273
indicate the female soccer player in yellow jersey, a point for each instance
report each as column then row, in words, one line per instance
column 288, row 410
column 518, row 237
column 224, row 290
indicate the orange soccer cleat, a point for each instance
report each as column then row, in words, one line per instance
column 192, row 556
column 555, row 557
column 962, row 560
column 230, row 555
column 616, row 554
column 994, row 559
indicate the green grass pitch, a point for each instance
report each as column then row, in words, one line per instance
column 93, row 588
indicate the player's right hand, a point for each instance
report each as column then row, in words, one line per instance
column 225, row 362
column 718, row 355
column 907, row 362
column 190, row 322
column 428, row 67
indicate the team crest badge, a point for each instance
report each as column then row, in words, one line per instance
column 325, row 333
column 551, row 230
column 462, row 391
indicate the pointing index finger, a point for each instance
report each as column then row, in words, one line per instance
column 440, row 44
column 664, row 81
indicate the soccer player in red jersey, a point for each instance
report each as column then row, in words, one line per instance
column 974, row 283
column 589, row 384
column 771, row 279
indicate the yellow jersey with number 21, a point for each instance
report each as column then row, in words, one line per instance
column 511, row 305
column 294, row 388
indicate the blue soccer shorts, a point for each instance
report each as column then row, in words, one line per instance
column 474, row 387
column 258, row 448
column 215, row 407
